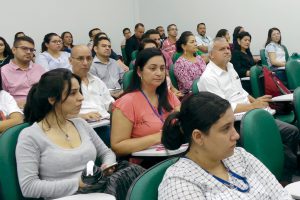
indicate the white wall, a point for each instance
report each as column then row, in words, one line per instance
column 257, row 16
column 38, row 17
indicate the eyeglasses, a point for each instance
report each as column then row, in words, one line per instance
column 26, row 49
column 56, row 41
column 82, row 59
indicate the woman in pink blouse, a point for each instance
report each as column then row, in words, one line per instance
column 189, row 66
column 138, row 115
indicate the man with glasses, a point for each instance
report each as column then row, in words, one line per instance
column 21, row 73
column 169, row 44
column 105, row 68
column 97, row 99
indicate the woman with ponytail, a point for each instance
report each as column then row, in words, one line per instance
column 52, row 153
column 213, row 167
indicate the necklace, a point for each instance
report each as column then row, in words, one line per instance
column 2, row 61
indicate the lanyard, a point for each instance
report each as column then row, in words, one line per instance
column 159, row 115
column 231, row 185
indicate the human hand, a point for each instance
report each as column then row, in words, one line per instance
column 108, row 169
column 265, row 98
column 91, row 116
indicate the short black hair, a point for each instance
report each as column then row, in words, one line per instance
column 23, row 38
column 98, row 39
column 125, row 29
column 200, row 24
column 138, row 25
column 149, row 32
column 169, row 26
column 91, row 31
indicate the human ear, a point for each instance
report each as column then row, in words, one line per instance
column 198, row 137
column 51, row 100
column 239, row 41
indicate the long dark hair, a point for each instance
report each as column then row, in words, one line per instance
column 235, row 34
column 51, row 85
column 46, row 40
column 183, row 39
column 240, row 36
column 135, row 83
column 7, row 49
column 269, row 39
column 199, row 111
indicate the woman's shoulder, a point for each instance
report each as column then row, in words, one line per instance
column 32, row 134
column 129, row 97
column 182, row 169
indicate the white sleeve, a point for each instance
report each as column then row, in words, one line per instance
column 10, row 103
column 43, row 61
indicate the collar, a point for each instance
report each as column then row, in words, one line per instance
column 90, row 77
column 216, row 69
column 97, row 60
column 16, row 67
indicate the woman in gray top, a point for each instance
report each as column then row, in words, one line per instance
column 54, row 150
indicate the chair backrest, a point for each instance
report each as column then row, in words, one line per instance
column 124, row 56
column 263, row 57
column 195, row 89
column 287, row 56
column 296, row 103
column 127, row 77
column 8, row 167
column 292, row 70
column 256, row 81
column 133, row 55
column 146, row 185
column 260, row 136
column 173, row 77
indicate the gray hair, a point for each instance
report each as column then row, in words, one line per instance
column 213, row 42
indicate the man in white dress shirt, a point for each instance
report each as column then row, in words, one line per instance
column 97, row 98
column 220, row 78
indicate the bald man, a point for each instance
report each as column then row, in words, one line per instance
column 97, row 98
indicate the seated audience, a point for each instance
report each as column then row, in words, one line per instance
column 213, row 167
column 275, row 53
column 188, row 66
column 154, row 35
column 138, row 115
column 67, row 40
column 10, row 113
column 236, row 31
column 225, row 33
column 21, row 73
column 105, row 68
column 133, row 42
column 52, row 57
column 201, row 38
column 169, row 44
column 92, row 34
column 97, row 99
column 242, row 58
column 220, row 78
column 5, row 52
column 127, row 35
column 52, row 153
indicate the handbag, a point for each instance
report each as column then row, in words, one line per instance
column 118, row 183
column 274, row 87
